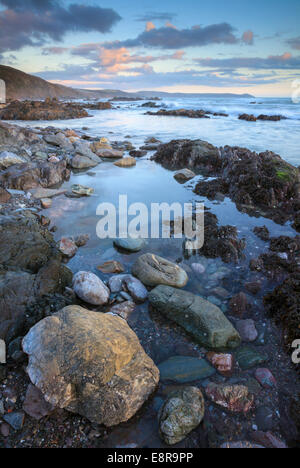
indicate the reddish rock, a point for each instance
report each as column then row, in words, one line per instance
column 35, row 404
column 268, row 440
column 265, row 378
column 124, row 309
column 238, row 305
column 224, row 363
column 5, row 196
column 247, row 330
column 82, row 240
column 68, row 247
column 234, row 398
column 111, row 267
column 46, row 203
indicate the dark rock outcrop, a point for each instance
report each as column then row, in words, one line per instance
column 30, row 270
column 34, row 174
column 50, row 109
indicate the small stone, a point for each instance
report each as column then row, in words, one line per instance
column 224, row 363
column 247, row 330
column 220, row 292
column 136, row 289
column 181, row 414
column 234, row 398
column 46, row 203
column 111, row 267
column 247, row 357
column 184, row 175
column 82, row 240
column 15, row 420
column 82, row 191
column 2, row 352
column 126, row 162
column 4, row 429
column 115, row 283
column 265, row 378
column 68, row 247
column 185, row 369
column 45, row 221
column 5, row 196
column 198, row 268
column 90, row 288
column 35, row 404
column 124, row 310
column 129, row 244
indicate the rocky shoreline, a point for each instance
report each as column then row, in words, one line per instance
column 69, row 325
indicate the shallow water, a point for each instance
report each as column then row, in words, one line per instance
column 149, row 182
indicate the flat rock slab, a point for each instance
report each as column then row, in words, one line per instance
column 184, row 369
column 202, row 319
column 41, row 193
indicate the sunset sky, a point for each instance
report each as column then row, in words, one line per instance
column 183, row 46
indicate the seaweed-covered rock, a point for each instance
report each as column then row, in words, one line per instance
column 31, row 269
column 50, row 109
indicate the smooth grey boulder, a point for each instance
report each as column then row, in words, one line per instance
column 153, row 270
column 202, row 319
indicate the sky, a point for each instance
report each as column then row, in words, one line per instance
column 192, row 46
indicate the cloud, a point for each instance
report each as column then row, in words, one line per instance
column 155, row 16
column 248, row 37
column 294, row 42
column 118, row 60
column 144, row 77
column 54, row 50
column 172, row 38
column 150, row 26
column 273, row 62
column 34, row 22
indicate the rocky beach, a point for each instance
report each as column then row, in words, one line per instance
column 142, row 343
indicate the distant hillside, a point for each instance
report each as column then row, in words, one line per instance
column 20, row 85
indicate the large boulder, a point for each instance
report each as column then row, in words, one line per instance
column 91, row 364
column 34, row 174
column 50, row 109
column 202, row 319
column 191, row 154
column 181, row 414
column 153, row 270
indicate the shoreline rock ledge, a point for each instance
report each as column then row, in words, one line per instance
column 91, row 364
column 202, row 319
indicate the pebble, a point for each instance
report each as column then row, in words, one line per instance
column 131, row 245
column 248, row 357
column 222, row 362
column 46, row 203
column 185, row 369
column 264, row 418
column 68, row 247
column 265, row 378
column 247, row 330
column 111, row 267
